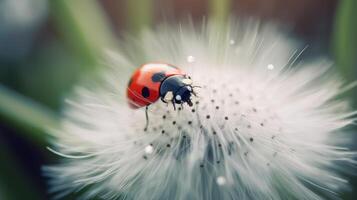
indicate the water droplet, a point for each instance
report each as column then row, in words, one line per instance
column 149, row 149
column 191, row 59
column 270, row 66
column 221, row 180
column 232, row 42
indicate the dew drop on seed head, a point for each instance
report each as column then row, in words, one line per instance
column 270, row 66
column 149, row 149
column 221, row 180
column 191, row 59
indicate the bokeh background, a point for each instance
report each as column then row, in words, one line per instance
column 46, row 47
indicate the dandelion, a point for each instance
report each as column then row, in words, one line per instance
column 261, row 127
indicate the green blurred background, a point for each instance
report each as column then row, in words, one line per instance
column 48, row 46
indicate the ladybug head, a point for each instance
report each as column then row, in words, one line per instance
column 176, row 89
column 184, row 95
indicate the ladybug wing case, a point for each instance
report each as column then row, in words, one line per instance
column 144, row 85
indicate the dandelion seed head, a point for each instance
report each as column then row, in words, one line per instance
column 271, row 133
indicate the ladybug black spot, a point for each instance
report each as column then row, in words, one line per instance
column 145, row 92
column 158, row 77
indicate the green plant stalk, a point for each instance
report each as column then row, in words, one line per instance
column 345, row 40
column 219, row 10
column 85, row 28
column 139, row 15
column 32, row 118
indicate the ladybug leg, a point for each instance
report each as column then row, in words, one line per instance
column 173, row 104
column 189, row 102
column 147, row 118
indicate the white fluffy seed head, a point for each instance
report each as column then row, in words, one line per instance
column 252, row 132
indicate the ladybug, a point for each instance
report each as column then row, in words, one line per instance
column 155, row 80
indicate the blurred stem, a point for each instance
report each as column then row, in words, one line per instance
column 26, row 114
column 219, row 10
column 85, row 26
column 139, row 14
column 345, row 38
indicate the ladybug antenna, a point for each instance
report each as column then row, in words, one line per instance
column 147, row 118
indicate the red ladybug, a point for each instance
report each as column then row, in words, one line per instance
column 159, row 80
